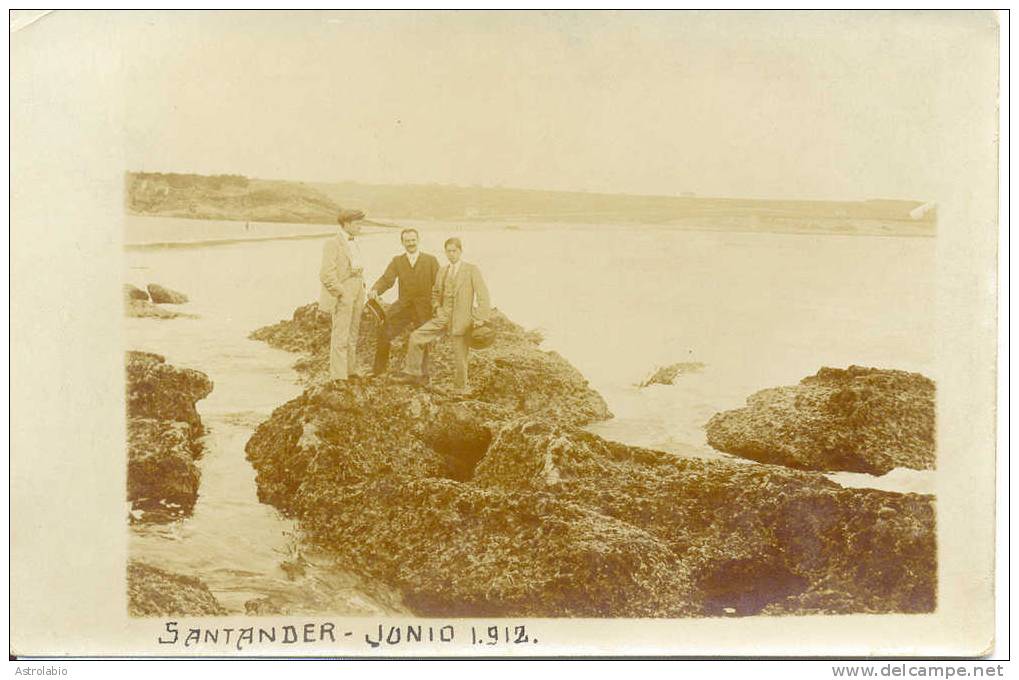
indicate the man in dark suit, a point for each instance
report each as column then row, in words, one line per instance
column 416, row 273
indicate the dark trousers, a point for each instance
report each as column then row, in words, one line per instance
column 394, row 324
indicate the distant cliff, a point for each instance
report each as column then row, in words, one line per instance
column 226, row 197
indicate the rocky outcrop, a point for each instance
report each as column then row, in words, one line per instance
column 134, row 293
column 858, row 419
column 543, row 519
column 163, row 431
column 163, row 295
column 745, row 536
column 155, row 389
column 497, row 506
column 154, row 592
column 513, row 373
column 666, row 375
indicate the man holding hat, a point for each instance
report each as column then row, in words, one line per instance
column 342, row 295
column 416, row 272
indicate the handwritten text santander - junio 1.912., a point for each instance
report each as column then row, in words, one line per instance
column 288, row 636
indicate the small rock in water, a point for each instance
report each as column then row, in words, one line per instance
column 666, row 375
column 161, row 294
column 145, row 309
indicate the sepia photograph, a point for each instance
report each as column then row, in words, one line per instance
column 471, row 333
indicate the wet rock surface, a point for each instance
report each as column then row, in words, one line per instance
column 155, row 592
column 500, row 505
column 164, row 436
column 858, row 420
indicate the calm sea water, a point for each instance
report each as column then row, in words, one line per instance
column 758, row 310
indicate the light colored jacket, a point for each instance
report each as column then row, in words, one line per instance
column 340, row 284
column 468, row 285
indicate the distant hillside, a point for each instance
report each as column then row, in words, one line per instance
column 233, row 197
column 480, row 204
column 227, row 197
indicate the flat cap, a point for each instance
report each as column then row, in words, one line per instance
column 347, row 215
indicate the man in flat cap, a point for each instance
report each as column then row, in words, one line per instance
column 342, row 295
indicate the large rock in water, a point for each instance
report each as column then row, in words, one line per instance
column 543, row 519
column 154, row 592
column 496, row 506
column 858, row 420
column 163, row 435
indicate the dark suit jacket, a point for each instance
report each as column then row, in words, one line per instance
column 416, row 283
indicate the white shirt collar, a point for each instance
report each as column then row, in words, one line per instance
column 412, row 258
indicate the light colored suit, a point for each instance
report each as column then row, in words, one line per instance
column 453, row 299
column 342, row 296
column 467, row 285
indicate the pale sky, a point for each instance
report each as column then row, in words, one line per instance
column 775, row 105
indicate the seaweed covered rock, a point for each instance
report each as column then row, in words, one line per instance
column 339, row 434
column 155, row 592
column 746, row 537
column 499, row 505
column 513, row 373
column 470, row 509
column 454, row 549
column 162, row 476
column 158, row 390
column 163, row 435
column 387, row 465
column 858, row 419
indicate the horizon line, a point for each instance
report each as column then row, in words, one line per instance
column 684, row 195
